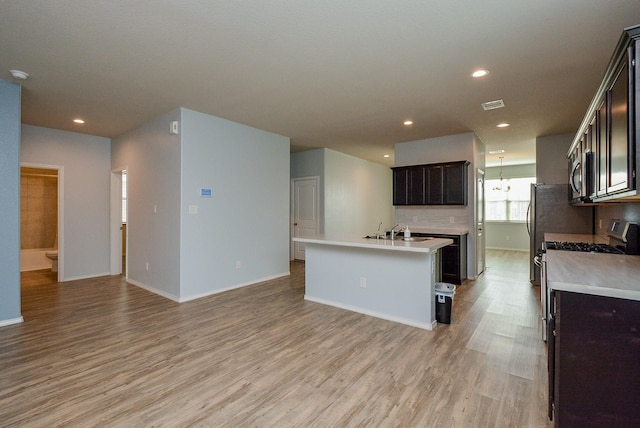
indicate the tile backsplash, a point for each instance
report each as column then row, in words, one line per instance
column 629, row 211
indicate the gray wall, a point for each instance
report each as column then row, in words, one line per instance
column 151, row 157
column 246, row 220
column 551, row 158
column 10, row 206
column 83, row 240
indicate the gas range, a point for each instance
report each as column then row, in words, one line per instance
column 624, row 238
column 585, row 247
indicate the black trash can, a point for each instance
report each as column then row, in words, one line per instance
column 444, row 301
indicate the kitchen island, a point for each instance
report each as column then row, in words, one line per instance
column 384, row 278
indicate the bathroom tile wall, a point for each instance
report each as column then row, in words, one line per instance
column 38, row 211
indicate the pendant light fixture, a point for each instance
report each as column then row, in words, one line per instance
column 500, row 187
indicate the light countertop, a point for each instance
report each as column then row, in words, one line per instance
column 610, row 275
column 418, row 246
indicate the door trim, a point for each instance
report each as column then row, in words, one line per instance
column 115, row 223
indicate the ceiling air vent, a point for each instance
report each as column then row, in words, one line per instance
column 492, row 105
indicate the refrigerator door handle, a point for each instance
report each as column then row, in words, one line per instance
column 529, row 219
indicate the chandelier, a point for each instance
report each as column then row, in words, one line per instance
column 500, row 187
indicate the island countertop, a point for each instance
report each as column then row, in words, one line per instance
column 420, row 245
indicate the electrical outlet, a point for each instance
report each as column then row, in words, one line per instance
column 451, row 220
column 415, row 218
column 146, row 266
column 238, row 264
column 363, row 282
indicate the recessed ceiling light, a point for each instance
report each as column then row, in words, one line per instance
column 502, row 125
column 480, row 73
column 407, row 122
column 78, row 121
column 18, row 74
column 496, row 152
column 386, row 156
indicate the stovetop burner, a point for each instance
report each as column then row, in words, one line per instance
column 586, row 247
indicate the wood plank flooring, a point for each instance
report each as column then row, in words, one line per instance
column 101, row 352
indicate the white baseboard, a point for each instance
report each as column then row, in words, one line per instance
column 375, row 314
column 154, row 290
column 233, row 287
column 4, row 323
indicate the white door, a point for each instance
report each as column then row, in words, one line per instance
column 480, row 238
column 305, row 212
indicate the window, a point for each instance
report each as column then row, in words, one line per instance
column 508, row 199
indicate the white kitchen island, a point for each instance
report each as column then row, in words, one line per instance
column 384, row 278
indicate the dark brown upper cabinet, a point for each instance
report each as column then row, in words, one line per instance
column 431, row 184
column 613, row 123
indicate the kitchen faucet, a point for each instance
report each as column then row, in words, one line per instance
column 393, row 231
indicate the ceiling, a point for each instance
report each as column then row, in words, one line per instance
column 335, row 73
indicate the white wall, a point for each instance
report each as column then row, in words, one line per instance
column 151, row 157
column 357, row 195
column 445, row 149
column 10, row 206
column 247, row 219
column 84, row 239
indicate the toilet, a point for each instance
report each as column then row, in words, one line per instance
column 53, row 256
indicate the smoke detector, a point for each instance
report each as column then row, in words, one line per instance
column 20, row 75
column 492, row 105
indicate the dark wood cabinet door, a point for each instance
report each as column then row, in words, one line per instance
column 619, row 168
column 400, row 186
column 455, row 184
column 434, row 185
column 601, row 160
column 597, row 361
column 416, row 185
column 431, row 184
column 451, row 264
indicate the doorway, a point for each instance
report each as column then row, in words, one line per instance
column 305, row 212
column 118, row 223
column 41, row 218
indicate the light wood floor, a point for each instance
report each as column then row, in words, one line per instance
column 101, row 352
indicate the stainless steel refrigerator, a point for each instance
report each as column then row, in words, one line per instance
column 551, row 212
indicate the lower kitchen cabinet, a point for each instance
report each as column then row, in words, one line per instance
column 594, row 360
column 453, row 257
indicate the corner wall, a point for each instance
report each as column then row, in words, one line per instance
column 355, row 194
column 10, row 95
